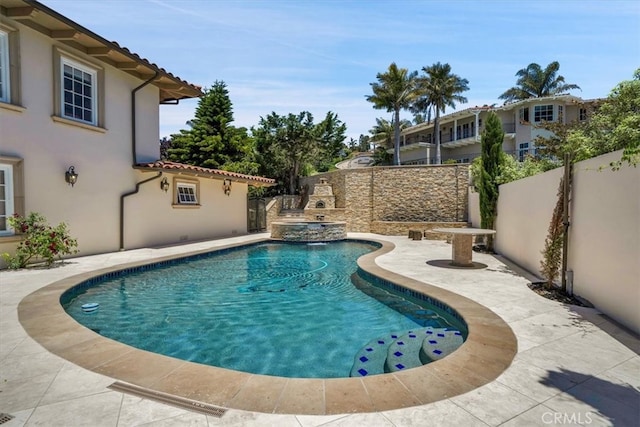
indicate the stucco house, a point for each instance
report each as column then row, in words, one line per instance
column 73, row 103
column 460, row 131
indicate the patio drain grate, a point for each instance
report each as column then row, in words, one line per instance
column 180, row 402
column 5, row 418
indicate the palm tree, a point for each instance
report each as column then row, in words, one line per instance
column 438, row 89
column 395, row 90
column 383, row 131
column 534, row 82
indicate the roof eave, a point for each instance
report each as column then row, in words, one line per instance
column 27, row 12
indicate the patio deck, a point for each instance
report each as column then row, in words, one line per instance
column 573, row 366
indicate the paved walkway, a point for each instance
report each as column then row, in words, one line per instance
column 573, row 367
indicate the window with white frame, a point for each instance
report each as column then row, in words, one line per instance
column 187, row 193
column 543, row 113
column 6, row 198
column 5, row 84
column 524, row 115
column 79, row 92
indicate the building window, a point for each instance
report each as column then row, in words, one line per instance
column 187, row 193
column 5, row 85
column 9, row 66
column 583, row 114
column 524, row 115
column 523, row 151
column 543, row 112
column 6, row 198
column 79, row 92
column 560, row 112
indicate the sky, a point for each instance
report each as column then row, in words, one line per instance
column 288, row 56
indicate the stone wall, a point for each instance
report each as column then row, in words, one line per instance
column 396, row 194
column 401, row 228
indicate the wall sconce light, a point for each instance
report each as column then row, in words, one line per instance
column 71, row 176
column 226, row 186
column 164, row 184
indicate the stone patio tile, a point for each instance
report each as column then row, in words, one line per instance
column 317, row 420
column 494, row 403
column 524, row 308
column 23, row 393
column 443, row 413
column 190, row 419
column 627, row 372
column 593, row 409
column 533, row 382
column 19, row 418
column 540, row 416
column 576, row 367
column 7, row 345
column 72, row 382
column 359, row 420
column 95, row 410
column 19, row 368
column 138, row 411
column 238, row 418
column 547, row 327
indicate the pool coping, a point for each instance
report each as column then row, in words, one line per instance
column 489, row 350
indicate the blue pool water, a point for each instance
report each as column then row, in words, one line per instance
column 273, row 308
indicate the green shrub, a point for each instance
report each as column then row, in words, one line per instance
column 41, row 242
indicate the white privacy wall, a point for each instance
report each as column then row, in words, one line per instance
column 604, row 236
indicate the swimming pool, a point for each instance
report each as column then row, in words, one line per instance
column 279, row 309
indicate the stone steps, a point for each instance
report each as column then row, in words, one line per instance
column 405, row 350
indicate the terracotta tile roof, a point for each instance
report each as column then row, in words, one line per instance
column 47, row 21
column 174, row 167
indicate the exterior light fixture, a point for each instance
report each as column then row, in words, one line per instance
column 71, row 176
column 226, row 186
column 164, row 184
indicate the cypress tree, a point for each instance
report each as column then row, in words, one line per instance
column 491, row 141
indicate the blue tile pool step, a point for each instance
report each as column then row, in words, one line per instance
column 405, row 350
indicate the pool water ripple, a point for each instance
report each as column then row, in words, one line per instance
column 277, row 309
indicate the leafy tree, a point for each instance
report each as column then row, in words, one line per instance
column 364, row 143
column 395, row 90
column 381, row 157
column 534, row 82
column 491, row 142
column 211, row 141
column 439, row 88
column 613, row 124
column 330, row 135
column 284, row 145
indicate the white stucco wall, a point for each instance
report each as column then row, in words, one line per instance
column 604, row 244
column 604, row 236
column 524, row 212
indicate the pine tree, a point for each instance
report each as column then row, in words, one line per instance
column 491, row 139
column 211, row 141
